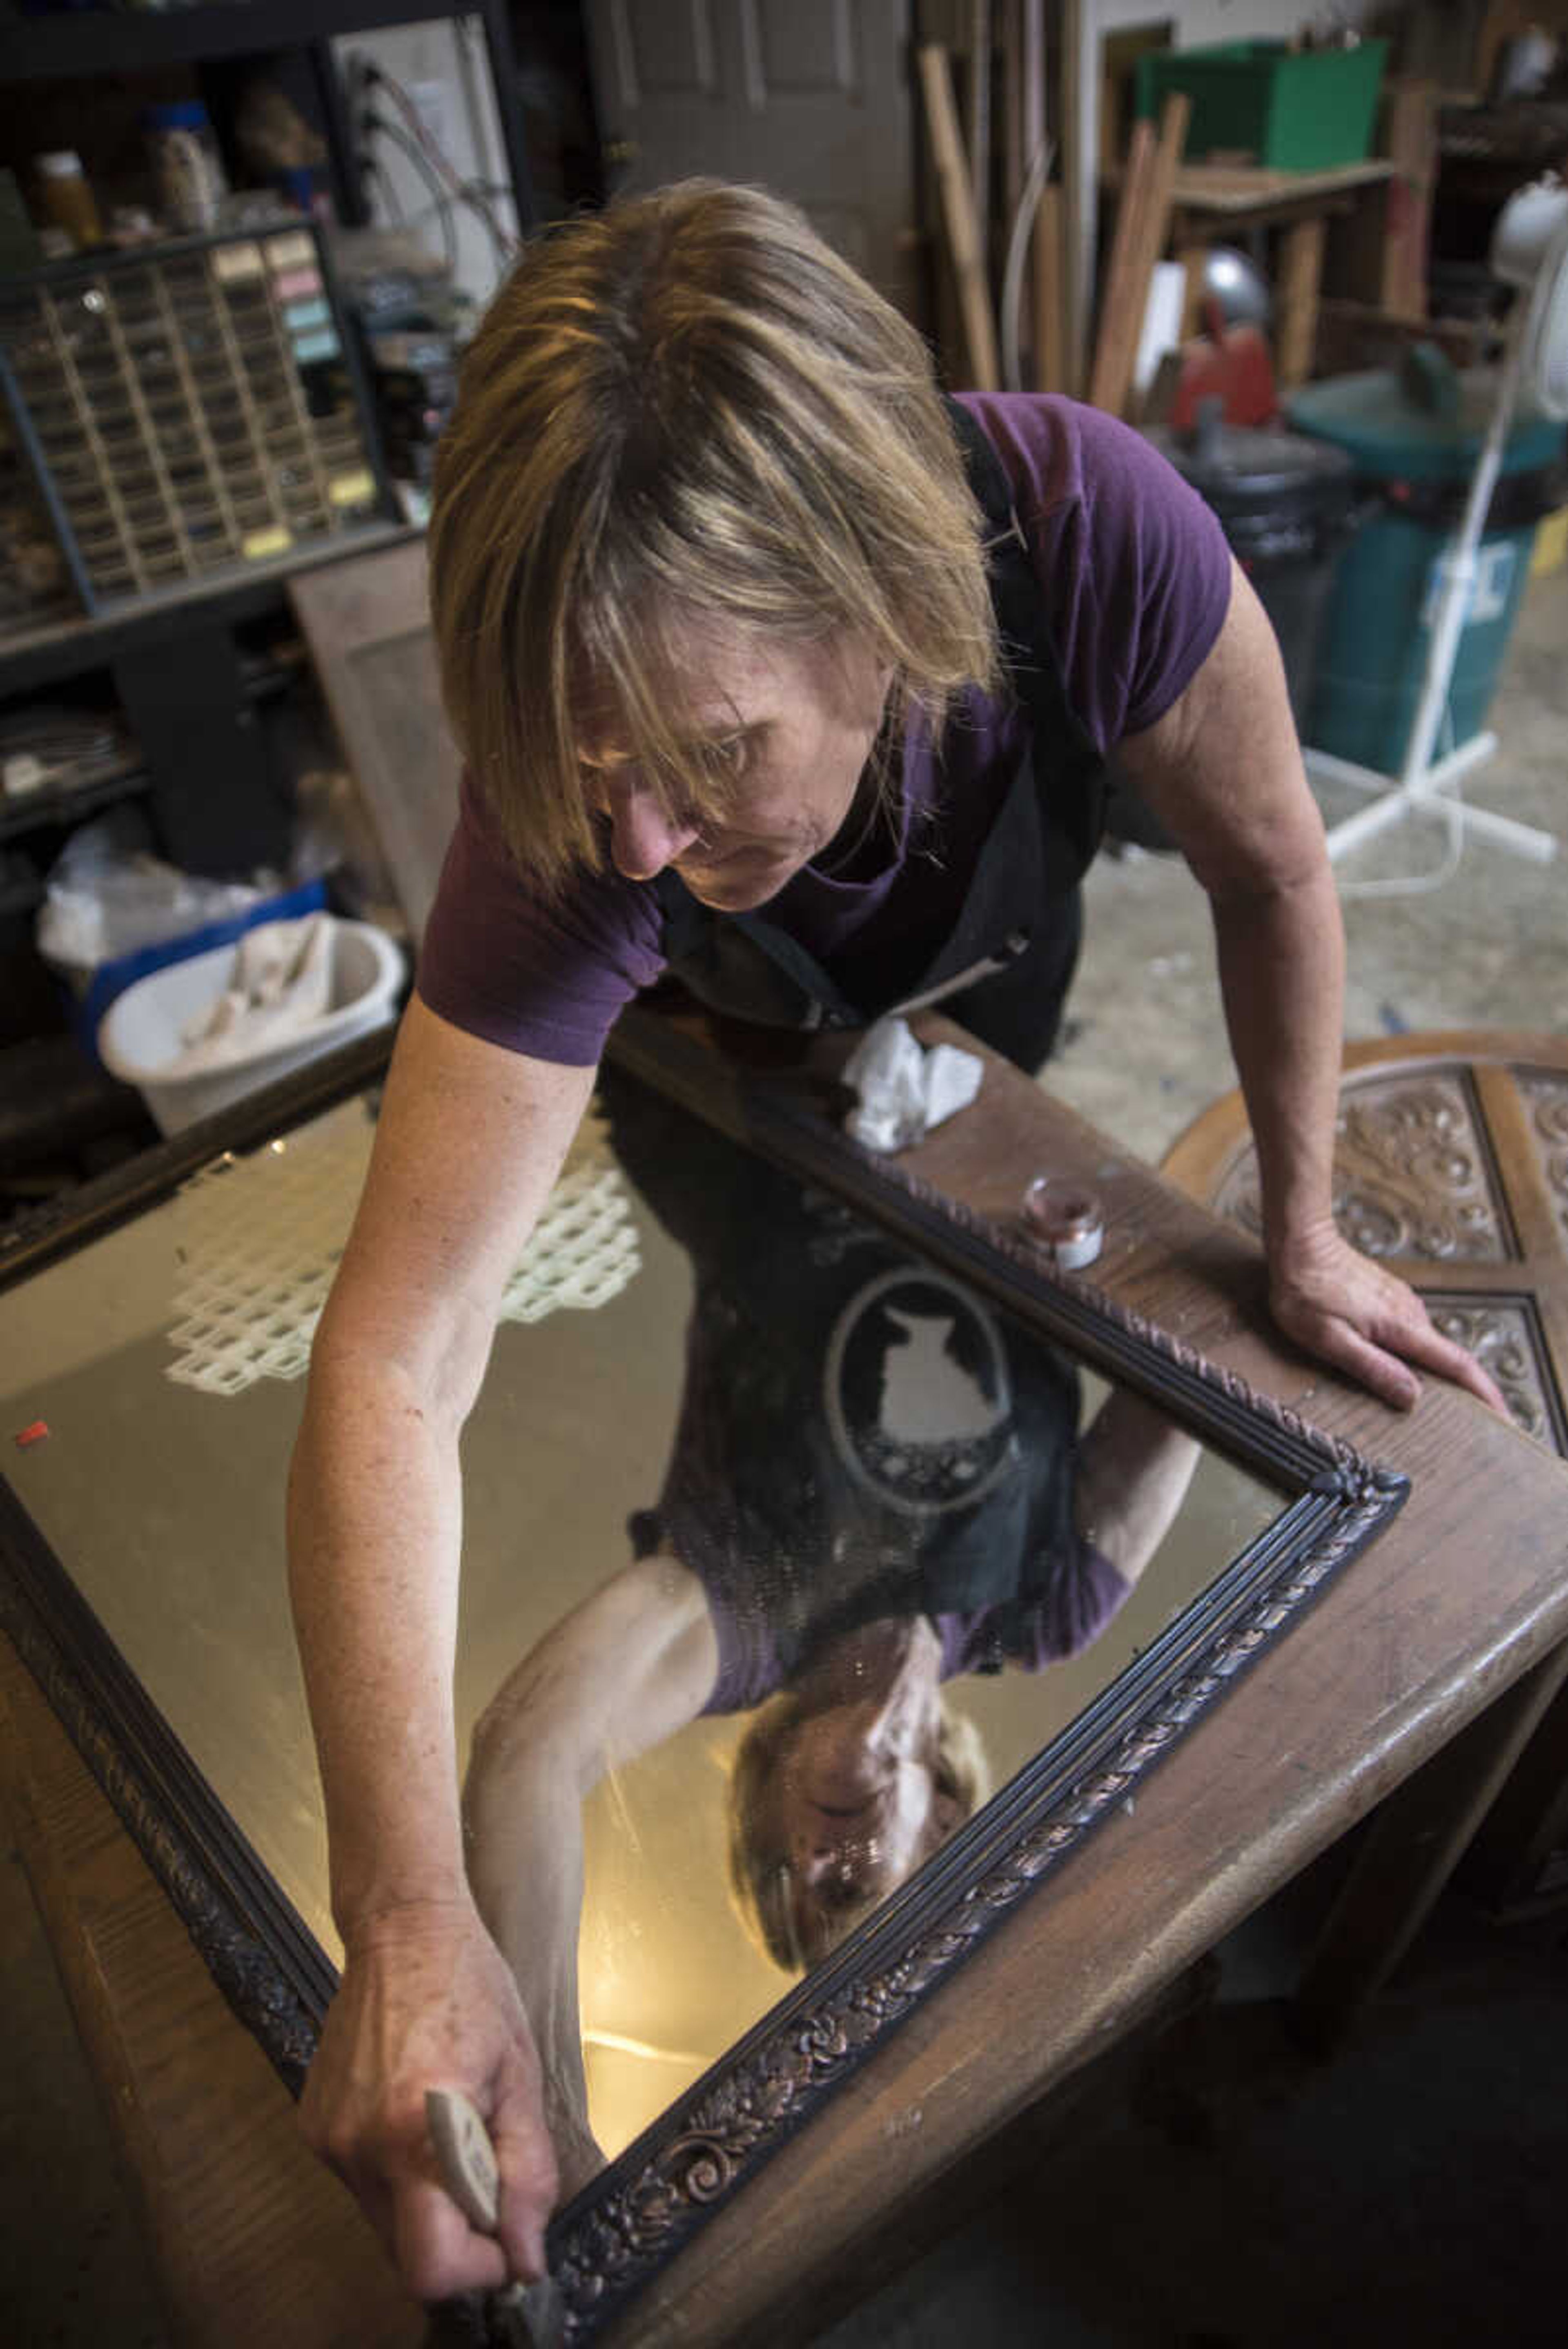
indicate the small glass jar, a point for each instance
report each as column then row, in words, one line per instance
column 1065, row 1220
column 186, row 164
column 67, row 199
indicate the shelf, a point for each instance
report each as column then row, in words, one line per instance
column 104, row 41
column 35, row 810
column 72, row 646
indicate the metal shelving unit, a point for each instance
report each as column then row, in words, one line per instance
column 132, row 644
column 80, row 44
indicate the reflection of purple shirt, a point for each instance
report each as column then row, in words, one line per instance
column 1134, row 574
column 1068, row 1619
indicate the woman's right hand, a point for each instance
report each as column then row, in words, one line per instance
column 427, row 2001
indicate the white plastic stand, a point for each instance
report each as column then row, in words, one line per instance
column 1422, row 787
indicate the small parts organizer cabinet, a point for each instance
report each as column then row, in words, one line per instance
column 186, row 411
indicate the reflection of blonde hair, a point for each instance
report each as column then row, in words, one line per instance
column 685, row 408
column 760, row 1883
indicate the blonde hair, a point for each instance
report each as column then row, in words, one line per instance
column 685, row 410
column 761, row 1884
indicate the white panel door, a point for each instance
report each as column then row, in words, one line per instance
column 809, row 98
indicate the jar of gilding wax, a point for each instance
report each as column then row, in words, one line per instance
column 1065, row 1220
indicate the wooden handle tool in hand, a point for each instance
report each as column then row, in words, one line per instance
column 532, row 2312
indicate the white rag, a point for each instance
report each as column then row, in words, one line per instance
column 281, row 984
column 905, row 1088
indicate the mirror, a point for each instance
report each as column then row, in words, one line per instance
column 843, row 1558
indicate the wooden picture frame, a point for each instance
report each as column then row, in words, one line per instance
column 614, row 2236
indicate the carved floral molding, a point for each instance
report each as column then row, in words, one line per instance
column 1546, row 1099
column 1412, row 1177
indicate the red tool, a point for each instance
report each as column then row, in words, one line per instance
column 1232, row 364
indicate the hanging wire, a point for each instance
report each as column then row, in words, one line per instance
column 464, row 191
column 1017, row 248
column 440, row 202
column 386, row 189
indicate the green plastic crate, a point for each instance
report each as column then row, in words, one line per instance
column 1295, row 110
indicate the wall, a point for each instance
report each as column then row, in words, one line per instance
column 444, row 67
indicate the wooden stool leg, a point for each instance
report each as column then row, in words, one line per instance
column 1300, row 276
column 1410, row 1850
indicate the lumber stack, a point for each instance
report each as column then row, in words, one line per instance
column 1006, row 202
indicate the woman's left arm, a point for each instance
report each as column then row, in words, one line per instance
column 1222, row 771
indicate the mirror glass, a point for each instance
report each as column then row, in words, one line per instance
column 780, row 1549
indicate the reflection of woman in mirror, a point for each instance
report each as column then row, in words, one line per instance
column 876, row 1486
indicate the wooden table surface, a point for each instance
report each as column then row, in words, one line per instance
column 1451, row 1165
column 1463, row 1594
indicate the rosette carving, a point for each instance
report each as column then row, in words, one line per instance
column 1410, row 1173
column 1503, row 1334
column 1546, row 1098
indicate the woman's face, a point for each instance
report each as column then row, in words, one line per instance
column 795, row 723
column 854, row 1814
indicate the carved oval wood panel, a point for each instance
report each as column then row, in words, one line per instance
column 1451, row 1164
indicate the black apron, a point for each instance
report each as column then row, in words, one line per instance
column 791, row 1491
column 1022, row 897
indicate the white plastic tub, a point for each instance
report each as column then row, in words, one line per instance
column 142, row 1033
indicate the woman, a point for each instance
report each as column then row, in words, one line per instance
column 737, row 692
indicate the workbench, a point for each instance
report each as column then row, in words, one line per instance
column 1219, row 203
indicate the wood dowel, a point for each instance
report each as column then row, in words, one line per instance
column 1153, row 228
column 1147, row 202
column 959, row 215
column 980, row 40
column 1114, row 299
column 1050, row 337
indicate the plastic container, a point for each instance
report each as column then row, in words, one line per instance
column 1287, row 504
column 1292, row 110
column 1288, row 507
column 144, row 1030
column 1413, row 436
column 92, row 989
column 67, row 199
column 186, row 164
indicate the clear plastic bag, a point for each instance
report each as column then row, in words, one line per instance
column 107, row 894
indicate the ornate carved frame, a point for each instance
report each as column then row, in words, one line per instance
column 607, row 2243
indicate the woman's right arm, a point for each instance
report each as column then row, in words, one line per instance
column 1135, row 1465
column 469, row 1141
column 625, row 1669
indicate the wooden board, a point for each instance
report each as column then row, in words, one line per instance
column 964, row 236
column 1452, row 1165
column 1413, row 149
column 1143, row 224
column 366, row 623
column 251, row 2239
column 1235, row 188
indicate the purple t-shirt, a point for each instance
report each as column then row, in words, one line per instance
column 1066, row 1618
column 1134, row 577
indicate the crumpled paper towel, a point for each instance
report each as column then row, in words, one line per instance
column 281, row 984
column 905, row 1088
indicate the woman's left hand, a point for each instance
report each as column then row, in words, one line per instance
column 1366, row 1321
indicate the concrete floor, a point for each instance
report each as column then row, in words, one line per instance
column 1132, row 2258
column 1145, row 1048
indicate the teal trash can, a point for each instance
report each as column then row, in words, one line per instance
column 1414, row 435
